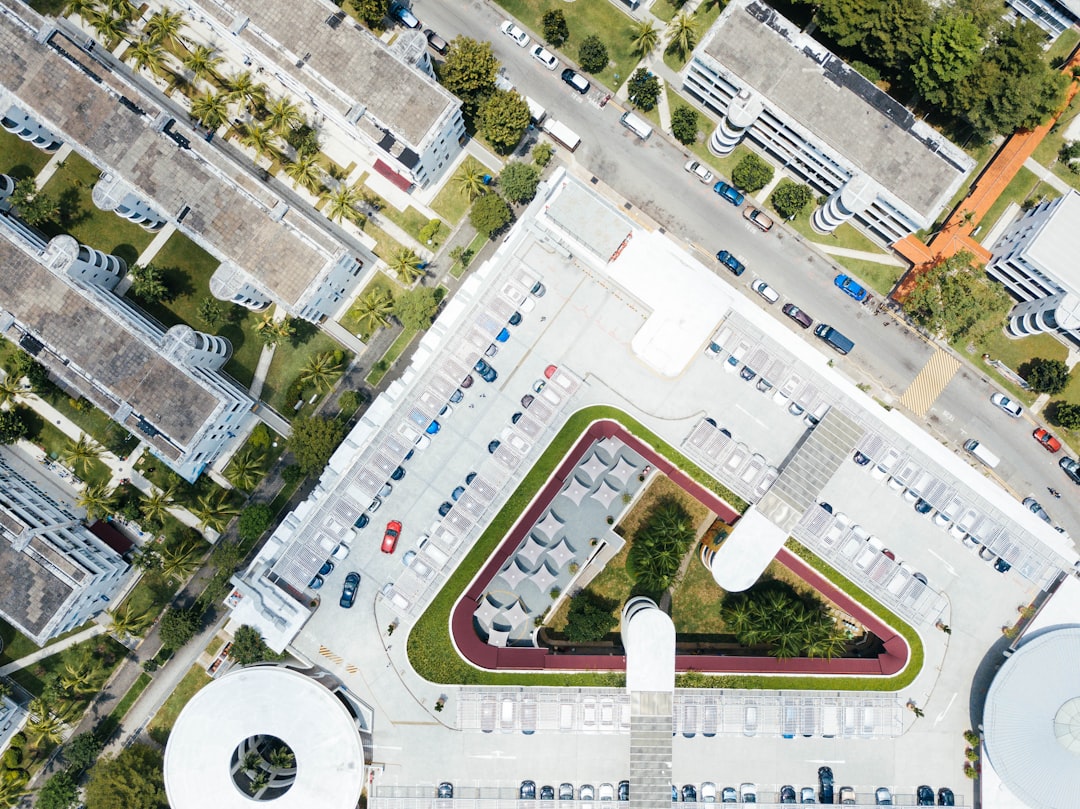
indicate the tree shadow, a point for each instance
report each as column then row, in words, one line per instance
column 72, row 213
column 178, row 282
column 127, row 252
column 20, row 172
column 303, row 331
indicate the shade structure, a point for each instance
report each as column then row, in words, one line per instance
column 575, row 491
column 515, row 616
column 593, row 468
column 606, row 494
column 561, row 554
column 610, row 447
column 512, row 574
column 531, row 552
column 485, row 612
column 498, row 637
column 622, row 471
column 550, row 525
column 544, row 578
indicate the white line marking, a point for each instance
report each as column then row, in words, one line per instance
column 941, row 715
column 948, row 567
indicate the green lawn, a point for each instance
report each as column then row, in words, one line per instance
column 187, row 268
column 151, row 594
column 50, row 8
column 380, row 283
column 695, row 601
column 1063, row 45
column 664, row 10
column 385, row 244
column 584, row 18
column 846, row 236
column 1047, row 151
column 91, row 420
column 54, row 442
column 125, row 703
column 479, row 240
column 450, row 203
column 71, row 187
column 16, row 644
column 410, row 220
column 289, row 360
column 1015, row 192
column 18, row 158
column 162, row 723
column 881, row 277
column 33, row 677
column 1014, row 353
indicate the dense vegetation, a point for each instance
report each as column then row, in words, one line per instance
column 773, row 615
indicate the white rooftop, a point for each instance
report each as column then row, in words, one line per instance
column 649, row 639
column 264, row 700
column 1054, row 247
column 747, row 552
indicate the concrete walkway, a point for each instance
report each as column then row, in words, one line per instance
column 1047, row 176
column 877, row 258
column 59, row 156
column 51, row 649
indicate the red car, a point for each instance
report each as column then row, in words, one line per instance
column 1043, row 437
column 390, row 538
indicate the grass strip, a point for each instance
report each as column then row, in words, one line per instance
column 124, row 705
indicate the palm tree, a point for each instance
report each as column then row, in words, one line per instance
column 148, row 53
column 10, row 389
column 244, row 89
column 12, row 791
column 181, row 561
column 263, row 139
column 124, row 9
column 214, row 512
column 210, row 109
column 80, row 676
column 470, row 182
column 126, row 622
column 643, row 37
column 164, row 26
column 44, row 724
column 341, row 203
column 156, row 505
column 98, row 500
column 87, row 9
column 108, row 27
column 374, row 309
column 321, row 371
column 306, row 172
column 245, row 470
column 273, row 331
column 683, row 34
column 283, row 114
column 282, row 758
column 203, row 62
column 737, row 615
column 78, row 454
column 406, row 265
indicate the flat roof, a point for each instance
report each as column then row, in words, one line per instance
column 268, row 701
column 226, row 211
column 864, row 126
column 1053, row 248
column 649, row 638
column 32, row 593
column 343, row 56
column 101, row 347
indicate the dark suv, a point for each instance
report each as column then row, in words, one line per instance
column 798, row 315
column 1071, row 468
column 825, row 784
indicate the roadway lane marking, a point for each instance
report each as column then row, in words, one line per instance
column 948, row 567
column 941, row 715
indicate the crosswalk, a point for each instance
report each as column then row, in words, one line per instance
column 931, row 381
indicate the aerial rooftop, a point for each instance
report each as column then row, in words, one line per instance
column 873, row 132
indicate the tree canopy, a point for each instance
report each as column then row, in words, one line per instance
column 469, row 72
column 644, row 88
column 1046, row 376
column 790, row 198
column 254, row 520
column 772, row 614
column 504, row 117
column 313, row 441
column 752, row 173
column 133, row 780
column 178, row 627
column 957, row 300
column 518, row 181
column 415, row 308
column 592, row 55
column 556, row 30
column 589, row 617
column 684, row 124
column 248, row 647
column 658, row 547
column 1067, row 415
column 489, row 214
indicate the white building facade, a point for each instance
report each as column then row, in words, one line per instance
column 1035, row 259
column 1053, row 16
column 58, row 574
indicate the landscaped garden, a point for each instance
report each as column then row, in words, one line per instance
column 19, row 159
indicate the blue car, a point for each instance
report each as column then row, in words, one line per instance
column 848, row 286
column 502, row 336
column 732, row 263
column 348, row 592
column 433, row 428
column 487, row 373
column 730, row 193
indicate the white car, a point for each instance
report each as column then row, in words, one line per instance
column 765, row 291
column 1007, row 404
column 515, row 33
column 699, row 170
column 544, row 57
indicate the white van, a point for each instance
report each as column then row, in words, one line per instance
column 536, row 112
column 636, row 124
column 562, row 134
column 982, row 453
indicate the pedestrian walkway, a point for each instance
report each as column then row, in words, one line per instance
column 1047, row 176
column 863, row 255
column 930, row 382
column 51, row 649
column 59, row 156
column 344, row 336
column 261, row 369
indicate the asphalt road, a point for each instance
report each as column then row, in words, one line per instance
column 649, row 174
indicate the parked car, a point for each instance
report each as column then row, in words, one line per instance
column 924, row 796
column 515, row 319
column 433, row 428
column 787, row 794
column 757, row 217
column 586, row 792
column 348, row 592
column 847, row 796
column 527, row 790
column 437, row 43
column 446, row 790
column 522, row 39
column 699, row 170
column 487, row 373
column 566, row 792
column 689, row 793
column 748, row 793
column 575, row 80
column 624, row 791
column 445, row 507
column 729, row 795
column 362, row 521
column 729, row 192
column 1033, row 505
column 316, row 582
column 544, row 57
column 547, row 793
column 390, row 536
column 825, row 784
column 458, row 491
column 882, row 796
column 945, row 797
column 1008, row 405
column 341, row 552
column 503, row 335
column 606, row 792
column 493, row 445
column 1071, row 467
column 798, row 315
column 806, row 795
column 732, row 263
column 398, row 473
column 406, row 17
column 765, row 291
column 849, row 286
column 457, row 396
column 1043, row 436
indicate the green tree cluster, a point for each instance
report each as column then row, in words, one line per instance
column 33, row 206
column 415, row 308
column 148, row 283
column 684, row 124
column 659, row 546
column 254, row 520
column 556, row 31
column 469, row 72
column 503, row 119
column 133, row 780
column 773, row 615
column 644, row 88
column 752, row 173
column 1046, row 376
column 542, row 153
column 313, row 441
column 957, row 300
column 589, row 617
column 177, row 627
column 248, row 647
column 371, row 12
column 518, row 181
column 1067, row 415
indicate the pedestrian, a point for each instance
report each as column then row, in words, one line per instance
column 471, row 405
column 542, row 319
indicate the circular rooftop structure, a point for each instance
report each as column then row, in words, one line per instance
column 267, row 736
column 1032, row 720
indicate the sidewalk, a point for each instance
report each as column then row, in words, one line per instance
column 50, row 650
column 864, row 255
column 1047, row 176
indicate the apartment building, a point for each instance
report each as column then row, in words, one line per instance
column 58, row 574
column 787, row 95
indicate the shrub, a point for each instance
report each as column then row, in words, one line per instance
column 518, row 181
column 590, row 618
column 429, row 231
column 684, row 124
column 1067, row 415
column 542, row 153
column 592, row 55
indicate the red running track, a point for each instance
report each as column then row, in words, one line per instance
column 481, row 655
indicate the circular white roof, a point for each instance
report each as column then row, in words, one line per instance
column 1032, row 720
column 649, row 639
column 273, row 701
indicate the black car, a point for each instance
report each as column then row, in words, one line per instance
column 515, row 319
column 945, row 797
column 624, row 790
column 348, row 592
column 547, row 793
column 362, row 521
column 316, row 583
column 437, row 43
column 446, row 790
column 689, row 793
column 1001, row 566
column 923, row 507
column 516, row 417
column 493, row 445
column 398, row 473
column 456, row 494
column 527, row 792
column 798, row 315
column 487, row 373
column 787, row 794
column 444, row 509
column 860, row 459
column 469, row 478
column 924, row 796
column 825, row 784
column 747, row 374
